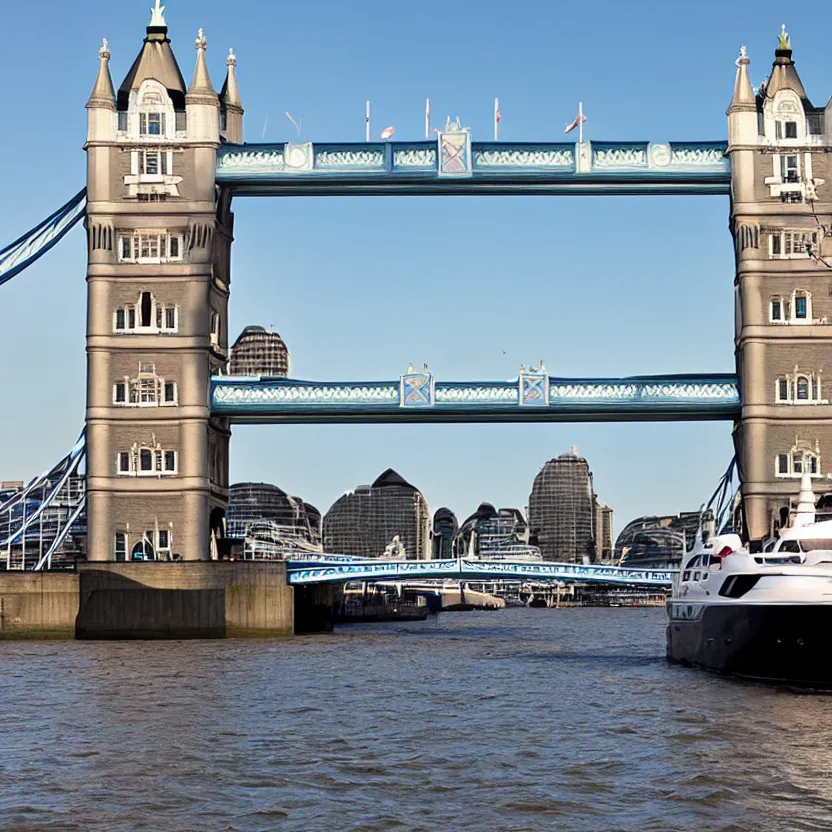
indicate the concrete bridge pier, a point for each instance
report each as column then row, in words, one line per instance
column 315, row 607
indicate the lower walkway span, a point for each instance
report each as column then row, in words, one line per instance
column 302, row 572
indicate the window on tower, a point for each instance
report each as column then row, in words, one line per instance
column 147, row 461
column 146, row 316
column 796, row 309
column 792, row 245
column 151, row 247
column 147, row 389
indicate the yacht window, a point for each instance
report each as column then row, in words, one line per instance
column 696, row 576
column 790, row 546
column 686, row 576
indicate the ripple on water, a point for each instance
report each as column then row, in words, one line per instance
column 523, row 720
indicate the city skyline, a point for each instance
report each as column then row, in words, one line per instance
column 465, row 253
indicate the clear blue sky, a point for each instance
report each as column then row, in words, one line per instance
column 360, row 287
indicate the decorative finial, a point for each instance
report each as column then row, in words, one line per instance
column 231, row 60
column 785, row 40
column 157, row 15
column 104, row 52
column 201, row 42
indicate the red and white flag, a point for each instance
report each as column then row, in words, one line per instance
column 388, row 132
column 581, row 119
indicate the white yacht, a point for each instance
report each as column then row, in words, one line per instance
column 765, row 616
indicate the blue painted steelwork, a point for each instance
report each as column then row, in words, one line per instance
column 298, row 169
column 639, row 398
column 472, row 570
column 35, row 243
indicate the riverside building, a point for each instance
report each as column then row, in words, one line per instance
column 561, row 510
column 366, row 522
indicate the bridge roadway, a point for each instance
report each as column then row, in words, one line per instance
column 533, row 397
column 455, row 165
column 328, row 569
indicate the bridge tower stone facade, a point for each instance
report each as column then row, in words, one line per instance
column 781, row 202
column 160, row 235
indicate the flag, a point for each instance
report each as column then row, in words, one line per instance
column 581, row 119
column 388, row 132
column 498, row 115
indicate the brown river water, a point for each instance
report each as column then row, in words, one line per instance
column 523, row 719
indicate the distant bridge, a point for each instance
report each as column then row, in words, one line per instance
column 328, row 569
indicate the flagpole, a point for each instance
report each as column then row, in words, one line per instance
column 581, row 123
column 496, row 119
column 427, row 118
column 367, row 122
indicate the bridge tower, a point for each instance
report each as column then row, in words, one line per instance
column 159, row 235
column 781, row 201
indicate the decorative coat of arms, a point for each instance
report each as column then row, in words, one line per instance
column 534, row 386
column 416, row 388
column 454, row 150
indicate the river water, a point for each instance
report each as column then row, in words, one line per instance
column 523, row 719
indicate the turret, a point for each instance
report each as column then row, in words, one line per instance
column 202, row 102
column 742, row 114
column 231, row 118
column 101, row 107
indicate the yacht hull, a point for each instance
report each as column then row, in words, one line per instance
column 785, row 643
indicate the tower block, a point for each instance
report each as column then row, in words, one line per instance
column 781, row 220
column 158, row 287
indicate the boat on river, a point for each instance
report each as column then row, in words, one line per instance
column 764, row 616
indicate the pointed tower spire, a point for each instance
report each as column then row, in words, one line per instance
column 783, row 73
column 232, row 106
column 103, row 94
column 101, row 108
column 201, row 84
column 743, row 98
column 230, row 91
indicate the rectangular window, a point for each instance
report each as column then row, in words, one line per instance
column 783, row 390
column 181, row 122
column 170, row 462
column 173, row 249
column 152, row 124
column 803, row 389
column 776, row 310
column 789, row 170
column 120, row 393
column 797, row 463
column 147, row 390
column 800, row 307
column 131, row 318
column 783, row 464
column 153, row 163
column 124, row 463
column 164, row 539
column 813, row 465
column 776, row 245
column 120, row 549
column 791, row 129
column 120, row 319
column 122, row 122
column 146, row 461
column 170, row 318
column 170, row 392
column 126, row 248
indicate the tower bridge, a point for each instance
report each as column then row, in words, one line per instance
column 166, row 160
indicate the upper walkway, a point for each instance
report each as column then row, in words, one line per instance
column 532, row 397
column 454, row 164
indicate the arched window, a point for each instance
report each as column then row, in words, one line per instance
column 147, row 315
column 147, row 461
column 143, row 550
column 803, row 458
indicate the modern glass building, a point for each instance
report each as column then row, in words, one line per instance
column 561, row 510
column 364, row 522
column 656, row 542
column 489, row 534
column 445, row 528
column 272, row 523
column 259, row 353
